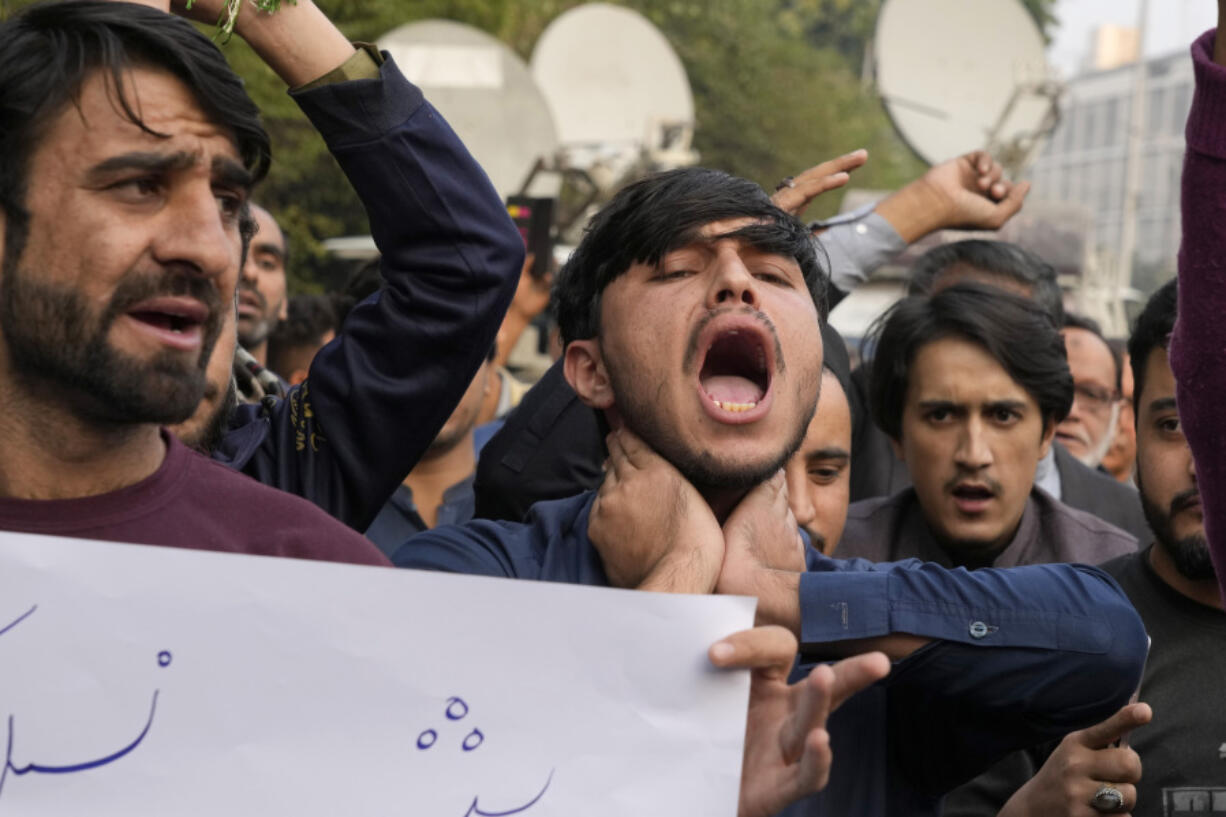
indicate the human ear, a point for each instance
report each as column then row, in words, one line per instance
column 584, row 368
column 1049, row 433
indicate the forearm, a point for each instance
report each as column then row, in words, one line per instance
column 298, row 41
column 915, row 210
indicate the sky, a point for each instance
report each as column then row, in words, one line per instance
column 1173, row 24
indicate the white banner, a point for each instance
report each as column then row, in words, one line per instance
column 141, row 680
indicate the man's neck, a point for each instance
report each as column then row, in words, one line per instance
column 50, row 453
column 1203, row 591
column 723, row 501
column 436, row 472
column 259, row 351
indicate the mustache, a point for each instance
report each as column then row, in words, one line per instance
column 995, row 487
column 1184, row 499
column 691, row 348
column 250, row 289
column 139, row 287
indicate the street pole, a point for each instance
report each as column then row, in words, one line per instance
column 1132, row 168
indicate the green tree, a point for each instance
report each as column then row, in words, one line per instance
column 777, row 87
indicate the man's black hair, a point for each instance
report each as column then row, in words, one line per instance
column 49, row 50
column 650, row 218
column 309, row 317
column 1072, row 320
column 994, row 257
column 1014, row 330
column 1151, row 331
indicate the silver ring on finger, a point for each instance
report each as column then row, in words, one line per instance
column 787, row 181
column 1108, row 800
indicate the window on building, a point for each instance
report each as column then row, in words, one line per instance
column 1111, row 122
column 1155, row 112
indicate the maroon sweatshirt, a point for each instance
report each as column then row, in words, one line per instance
column 193, row 502
column 1198, row 344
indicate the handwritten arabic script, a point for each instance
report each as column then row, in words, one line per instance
column 164, row 659
column 457, row 710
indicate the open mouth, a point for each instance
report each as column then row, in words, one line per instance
column 735, row 373
column 972, row 494
column 177, row 321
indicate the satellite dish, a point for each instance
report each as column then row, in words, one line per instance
column 960, row 75
column 611, row 78
column 485, row 92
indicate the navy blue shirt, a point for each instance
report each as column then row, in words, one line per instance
column 377, row 395
column 399, row 518
column 1019, row 656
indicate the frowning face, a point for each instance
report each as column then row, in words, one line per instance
column 713, row 356
column 118, row 295
column 971, row 439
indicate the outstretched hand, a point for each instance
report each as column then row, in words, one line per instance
column 651, row 527
column 787, row 748
column 818, row 179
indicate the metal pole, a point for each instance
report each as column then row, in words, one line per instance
column 1132, row 172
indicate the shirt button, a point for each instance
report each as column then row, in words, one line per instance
column 861, row 229
column 978, row 629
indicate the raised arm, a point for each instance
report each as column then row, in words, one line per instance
column 377, row 395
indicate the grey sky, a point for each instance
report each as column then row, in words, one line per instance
column 1172, row 25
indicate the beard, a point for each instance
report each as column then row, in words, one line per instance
column 1190, row 554
column 55, row 342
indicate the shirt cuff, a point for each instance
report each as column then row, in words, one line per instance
column 364, row 64
column 856, row 249
column 839, row 606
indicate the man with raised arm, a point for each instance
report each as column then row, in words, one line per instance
column 376, row 397
column 691, row 314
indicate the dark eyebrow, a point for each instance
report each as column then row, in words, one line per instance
column 936, row 404
column 227, row 171
column 1162, row 404
column 232, row 173
column 267, row 247
column 148, row 161
column 1011, row 405
column 831, row 453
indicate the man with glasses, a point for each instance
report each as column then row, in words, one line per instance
column 1089, row 428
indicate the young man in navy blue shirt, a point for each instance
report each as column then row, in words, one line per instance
column 691, row 314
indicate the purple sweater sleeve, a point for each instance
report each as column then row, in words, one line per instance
column 1198, row 344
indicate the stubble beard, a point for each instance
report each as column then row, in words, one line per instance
column 57, row 346
column 1189, row 554
column 702, row 469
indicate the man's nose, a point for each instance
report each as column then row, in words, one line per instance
column 196, row 234
column 973, row 451
column 733, row 284
column 798, row 495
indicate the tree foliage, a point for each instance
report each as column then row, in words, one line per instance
column 777, row 84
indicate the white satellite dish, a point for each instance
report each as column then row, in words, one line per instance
column 484, row 91
column 960, row 75
column 611, row 78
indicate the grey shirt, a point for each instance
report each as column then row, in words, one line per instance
column 887, row 529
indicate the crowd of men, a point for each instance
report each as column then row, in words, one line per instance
column 923, row 532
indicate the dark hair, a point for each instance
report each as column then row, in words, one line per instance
column 1151, row 331
column 1014, row 330
column 50, row 49
column 648, row 219
column 309, row 318
column 1074, row 321
column 994, row 257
